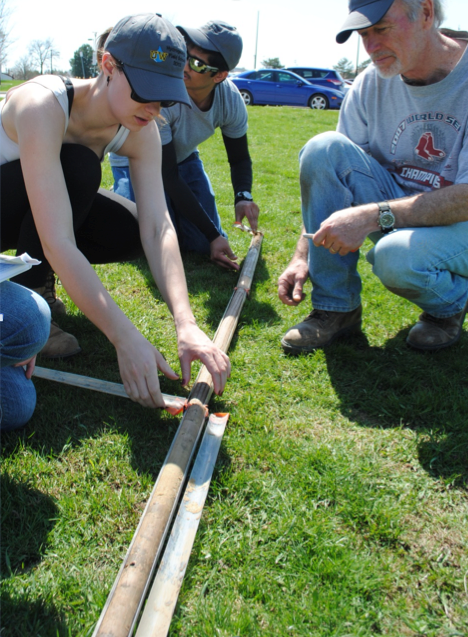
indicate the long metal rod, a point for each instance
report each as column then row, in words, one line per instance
column 160, row 605
column 174, row 404
column 128, row 592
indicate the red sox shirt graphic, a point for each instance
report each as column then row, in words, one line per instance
column 426, row 150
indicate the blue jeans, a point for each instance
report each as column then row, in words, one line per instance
column 193, row 173
column 24, row 330
column 428, row 266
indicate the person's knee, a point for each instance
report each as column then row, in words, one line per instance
column 324, row 149
column 41, row 326
column 393, row 263
column 17, row 413
column 36, row 311
column 30, row 329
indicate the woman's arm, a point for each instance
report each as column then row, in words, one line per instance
column 38, row 121
column 162, row 251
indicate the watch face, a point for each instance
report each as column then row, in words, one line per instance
column 245, row 195
column 387, row 219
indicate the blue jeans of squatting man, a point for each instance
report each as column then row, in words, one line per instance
column 24, row 331
column 428, row 266
column 192, row 172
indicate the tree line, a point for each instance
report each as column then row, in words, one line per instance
column 42, row 54
column 40, row 60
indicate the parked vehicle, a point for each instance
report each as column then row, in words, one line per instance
column 280, row 87
column 322, row 77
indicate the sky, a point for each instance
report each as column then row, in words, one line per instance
column 298, row 32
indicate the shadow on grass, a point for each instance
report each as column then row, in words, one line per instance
column 395, row 386
column 21, row 617
column 205, row 278
column 67, row 417
column 26, row 520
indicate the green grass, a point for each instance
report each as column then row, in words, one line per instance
column 339, row 503
column 6, row 84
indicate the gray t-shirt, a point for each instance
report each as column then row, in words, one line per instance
column 188, row 127
column 418, row 133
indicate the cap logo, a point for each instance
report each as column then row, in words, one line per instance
column 159, row 55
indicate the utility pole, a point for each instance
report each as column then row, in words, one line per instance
column 256, row 42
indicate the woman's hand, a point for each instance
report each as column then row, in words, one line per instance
column 139, row 362
column 193, row 344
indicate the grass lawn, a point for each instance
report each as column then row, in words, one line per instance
column 339, row 505
column 6, row 84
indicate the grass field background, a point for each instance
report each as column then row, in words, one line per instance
column 339, row 502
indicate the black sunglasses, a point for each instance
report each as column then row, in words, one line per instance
column 199, row 66
column 136, row 98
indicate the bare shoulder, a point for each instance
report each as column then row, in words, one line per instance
column 31, row 103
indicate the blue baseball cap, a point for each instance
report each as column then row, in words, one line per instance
column 153, row 53
column 362, row 14
column 217, row 36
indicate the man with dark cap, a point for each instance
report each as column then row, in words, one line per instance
column 213, row 50
column 395, row 171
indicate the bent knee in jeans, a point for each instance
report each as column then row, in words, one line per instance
column 427, row 265
column 395, row 264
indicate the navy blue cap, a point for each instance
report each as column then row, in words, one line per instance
column 362, row 14
column 154, row 55
column 219, row 36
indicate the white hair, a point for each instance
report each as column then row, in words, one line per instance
column 413, row 6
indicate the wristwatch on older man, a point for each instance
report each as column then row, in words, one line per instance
column 386, row 217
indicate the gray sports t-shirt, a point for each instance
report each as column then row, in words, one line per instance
column 188, row 127
column 418, row 133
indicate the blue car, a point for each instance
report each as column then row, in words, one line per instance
column 321, row 77
column 279, row 87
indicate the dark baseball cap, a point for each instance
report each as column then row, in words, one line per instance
column 153, row 54
column 217, row 36
column 362, row 14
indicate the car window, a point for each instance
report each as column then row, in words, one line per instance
column 265, row 76
column 251, row 76
column 308, row 74
column 285, row 78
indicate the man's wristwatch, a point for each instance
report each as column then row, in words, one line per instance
column 386, row 217
column 244, row 195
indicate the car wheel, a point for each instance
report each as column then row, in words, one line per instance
column 318, row 101
column 247, row 97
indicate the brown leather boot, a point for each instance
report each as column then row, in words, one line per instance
column 320, row 329
column 431, row 333
column 47, row 292
column 60, row 344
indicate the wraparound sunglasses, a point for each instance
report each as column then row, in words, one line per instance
column 199, row 66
